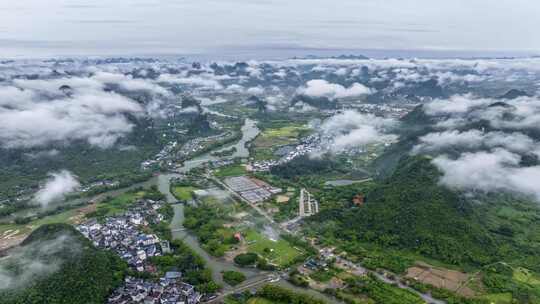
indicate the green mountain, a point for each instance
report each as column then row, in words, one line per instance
column 411, row 211
column 57, row 264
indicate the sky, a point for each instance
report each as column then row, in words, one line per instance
column 36, row 28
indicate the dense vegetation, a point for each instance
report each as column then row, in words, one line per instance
column 273, row 294
column 411, row 211
column 381, row 292
column 233, row 278
column 304, row 165
column 409, row 215
column 26, row 167
column 81, row 273
column 189, row 263
column 206, row 221
column 246, row 259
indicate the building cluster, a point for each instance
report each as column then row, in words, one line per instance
column 307, row 145
column 122, row 234
column 252, row 189
column 103, row 183
column 199, row 143
column 169, row 290
column 307, row 205
column 397, row 110
column 162, row 156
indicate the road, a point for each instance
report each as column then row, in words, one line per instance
column 233, row 193
column 249, row 284
column 426, row 297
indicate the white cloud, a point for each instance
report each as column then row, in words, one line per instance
column 323, row 88
column 457, row 104
column 207, row 81
column 255, row 90
column 496, row 170
column 57, row 186
column 476, row 139
column 129, row 83
column 94, row 116
column 352, row 129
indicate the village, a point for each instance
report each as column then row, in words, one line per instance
column 123, row 234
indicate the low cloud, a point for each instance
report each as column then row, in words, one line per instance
column 57, row 187
column 28, row 263
column 476, row 139
column 489, row 171
column 27, row 119
column 323, row 88
column 457, row 104
column 352, row 129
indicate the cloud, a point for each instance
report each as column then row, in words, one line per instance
column 28, row 119
column 352, row 129
column 234, row 88
column 457, row 104
column 323, row 88
column 255, row 90
column 57, row 187
column 129, row 83
column 25, row 264
column 207, row 81
column 489, row 171
column 476, row 139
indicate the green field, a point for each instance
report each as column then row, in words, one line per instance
column 233, row 170
column 272, row 138
column 523, row 275
column 260, row 301
column 281, row 252
column 62, row 217
column 184, row 193
column 119, row 203
column 498, row 298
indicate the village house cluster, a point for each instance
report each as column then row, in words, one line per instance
column 169, row 290
column 123, row 235
column 307, row 145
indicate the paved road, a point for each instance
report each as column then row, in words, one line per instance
column 253, row 283
column 426, row 297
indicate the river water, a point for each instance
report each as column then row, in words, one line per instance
column 217, row 265
column 249, row 132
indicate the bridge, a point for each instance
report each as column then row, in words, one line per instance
column 178, row 229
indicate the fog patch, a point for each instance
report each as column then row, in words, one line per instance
column 26, row 264
column 57, row 187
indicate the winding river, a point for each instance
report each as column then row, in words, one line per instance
column 217, row 265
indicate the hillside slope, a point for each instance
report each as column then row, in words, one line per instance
column 410, row 210
column 56, row 264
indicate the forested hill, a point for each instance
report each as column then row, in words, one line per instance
column 56, row 264
column 410, row 210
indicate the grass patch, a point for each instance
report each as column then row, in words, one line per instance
column 323, row 275
column 280, row 252
column 260, row 301
column 59, row 218
column 233, row 170
column 523, row 275
column 271, row 138
column 498, row 298
column 183, row 193
column 119, row 203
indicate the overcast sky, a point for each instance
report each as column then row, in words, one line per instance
column 32, row 28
